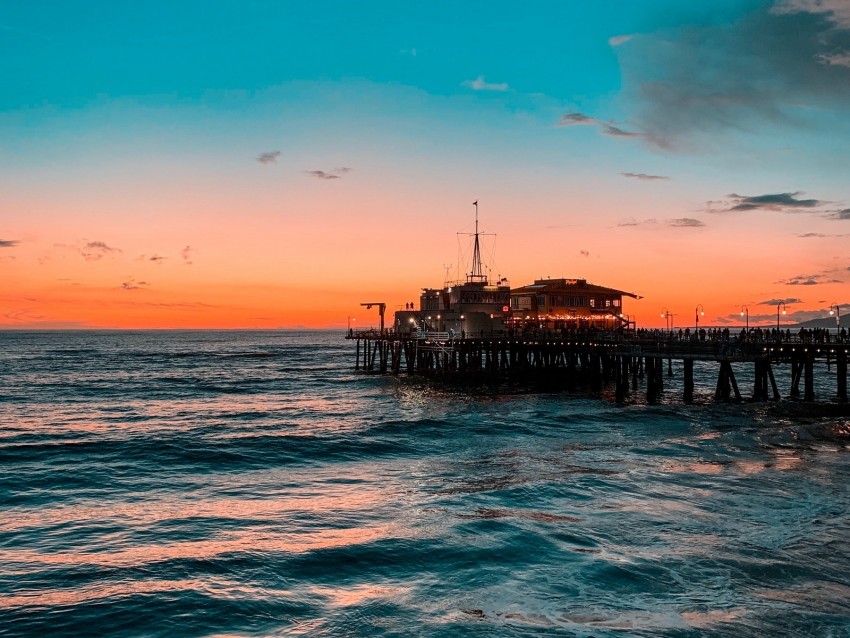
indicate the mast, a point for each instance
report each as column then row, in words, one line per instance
column 477, row 273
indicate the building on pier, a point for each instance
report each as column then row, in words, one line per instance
column 474, row 306
column 572, row 304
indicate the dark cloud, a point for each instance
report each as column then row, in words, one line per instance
column 774, row 302
column 697, row 81
column 584, row 253
column 781, row 202
column 95, row 250
column 809, row 280
column 8, row 243
column 569, row 119
column 606, row 128
column 615, row 131
column 841, row 214
column 187, row 255
column 131, row 284
column 685, row 222
column 268, row 158
column 336, row 173
column 644, row 177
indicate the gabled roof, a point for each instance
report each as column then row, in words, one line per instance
column 571, row 286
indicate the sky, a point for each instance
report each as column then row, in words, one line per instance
column 260, row 164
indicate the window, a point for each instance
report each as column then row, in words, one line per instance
column 616, row 303
column 592, row 302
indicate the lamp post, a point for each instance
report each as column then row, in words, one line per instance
column 699, row 310
column 835, row 309
column 350, row 319
column 745, row 312
column 462, row 332
column 782, row 305
column 666, row 314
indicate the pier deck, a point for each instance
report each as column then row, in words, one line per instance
column 594, row 361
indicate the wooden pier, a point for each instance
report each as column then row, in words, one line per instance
column 606, row 360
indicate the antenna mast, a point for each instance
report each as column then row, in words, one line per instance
column 477, row 273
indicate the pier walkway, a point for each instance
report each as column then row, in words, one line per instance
column 594, row 361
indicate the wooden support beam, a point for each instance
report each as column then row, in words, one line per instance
column 841, row 375
column 809, row 392
column 688, row 368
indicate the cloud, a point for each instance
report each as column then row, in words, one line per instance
column 96, row 250
column 606, row 128
column 837, row 11
column 809, row 280
column 617, row 40
column 781, row 202
column 187, row 255
column 268, row 158
column 685, row 222
column 631, row 221
column 479, row 84
column 8, row 243
column 841, row 214
column 694, row 82
column 584, row 253
column 336, row 173
column 615, row 131
column 157, row 259
column 837, row 59
column 644, row 176
column 131, row 284
column 774, row 302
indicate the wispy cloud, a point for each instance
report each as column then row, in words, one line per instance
column 606, row 128
column 8, row 243
column 584, row 253
column 694, row 84
column 685, row 222
column 480, row 84
column 96, row 250
column 679, row 222
column 187, row 255
column 644, row 177
column 774, row 302
column 837, row 11
column 617, row 40
column 840, row 214
column 268, row 158
column 336, row 173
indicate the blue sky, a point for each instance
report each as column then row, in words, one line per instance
column 597, row 135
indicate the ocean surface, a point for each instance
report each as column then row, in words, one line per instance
column 252, row 484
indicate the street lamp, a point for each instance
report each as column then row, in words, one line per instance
column 350, row 319
column 699, row 310
column 745, row 312
column 666, row 314
column 781, row 304
column 835, row 309
column 462, row 333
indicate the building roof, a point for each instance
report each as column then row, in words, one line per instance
column 569, row 286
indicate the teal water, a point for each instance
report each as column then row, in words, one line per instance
column 252, row 484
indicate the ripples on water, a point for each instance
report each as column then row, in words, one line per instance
column 250, row 484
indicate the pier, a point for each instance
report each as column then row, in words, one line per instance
column 628, row 364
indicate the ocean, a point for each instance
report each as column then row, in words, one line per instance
column 178, row 483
